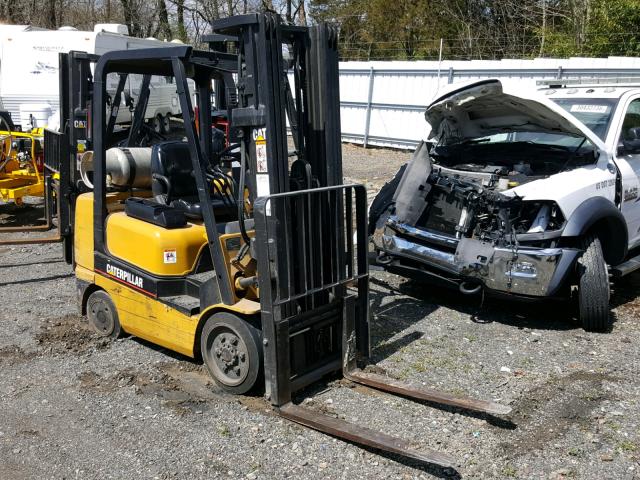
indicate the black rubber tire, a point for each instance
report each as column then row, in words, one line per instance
column 157, row 124
column 594, row 311
column 384, row 199
column 166, row 124
column 216, row 326
column 103, row 315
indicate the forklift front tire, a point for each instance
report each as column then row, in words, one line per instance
column 232, row 351
column 102, row 314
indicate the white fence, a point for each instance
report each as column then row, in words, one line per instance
column 383, row 103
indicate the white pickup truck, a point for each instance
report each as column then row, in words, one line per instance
column 532, row 195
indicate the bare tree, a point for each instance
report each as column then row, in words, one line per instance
column 164, row 29
column 50, row 14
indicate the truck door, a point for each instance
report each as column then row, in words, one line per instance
column 628, row 161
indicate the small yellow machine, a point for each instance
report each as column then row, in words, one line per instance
column 24, row 172
column 21, row 165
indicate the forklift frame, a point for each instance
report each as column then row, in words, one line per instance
column 312, row 272
column 167, row 61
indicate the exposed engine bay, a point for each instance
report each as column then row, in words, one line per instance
column 520, row 161
column 472, row 200
column 465, row 218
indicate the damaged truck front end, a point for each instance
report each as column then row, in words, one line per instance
column 468, row 234
column 456, row 214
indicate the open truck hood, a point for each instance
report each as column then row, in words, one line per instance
column 488, row 107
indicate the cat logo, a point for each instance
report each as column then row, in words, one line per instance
column 126, row 277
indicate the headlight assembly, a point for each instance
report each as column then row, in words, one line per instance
column 538, row 217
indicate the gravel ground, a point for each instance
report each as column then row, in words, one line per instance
column 73, row 405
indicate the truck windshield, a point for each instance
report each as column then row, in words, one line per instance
column 595, row 113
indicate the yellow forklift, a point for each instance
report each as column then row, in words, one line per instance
column 245, row 255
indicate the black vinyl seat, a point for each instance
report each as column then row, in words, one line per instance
column 174, row 184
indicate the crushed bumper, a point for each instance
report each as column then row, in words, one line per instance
column 523, row 270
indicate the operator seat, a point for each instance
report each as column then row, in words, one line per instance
column 173, row 182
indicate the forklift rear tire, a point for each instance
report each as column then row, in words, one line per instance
column 232, row 351
column 102, row 314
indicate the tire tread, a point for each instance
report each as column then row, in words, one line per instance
column 594, row 292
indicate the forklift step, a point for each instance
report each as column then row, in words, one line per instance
column 626, row 268
column 185, row 303
column 362, row 435
column 427, row 394
column 200, row 278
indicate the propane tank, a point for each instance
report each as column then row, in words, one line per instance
column 125, row 167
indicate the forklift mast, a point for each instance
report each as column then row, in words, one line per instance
column 305, row 218
column 265, row 99
column 65, row 147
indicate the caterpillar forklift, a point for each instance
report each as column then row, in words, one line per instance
column 247, row 255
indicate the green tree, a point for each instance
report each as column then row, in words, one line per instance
column 379, row 29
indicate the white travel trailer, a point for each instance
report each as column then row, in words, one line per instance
column 29, row 72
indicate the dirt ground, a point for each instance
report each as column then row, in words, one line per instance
column 73, row 405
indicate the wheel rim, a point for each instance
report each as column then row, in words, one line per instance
column 229, row 356
column 157, row 124
column 102, row 317
column 166, row 123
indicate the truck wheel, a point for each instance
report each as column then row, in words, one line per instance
column 156, row 123
column 166, row 123
column 593, row 287
column 232, row 351
column 102, row 314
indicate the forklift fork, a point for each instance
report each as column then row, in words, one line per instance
column 315, row 310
